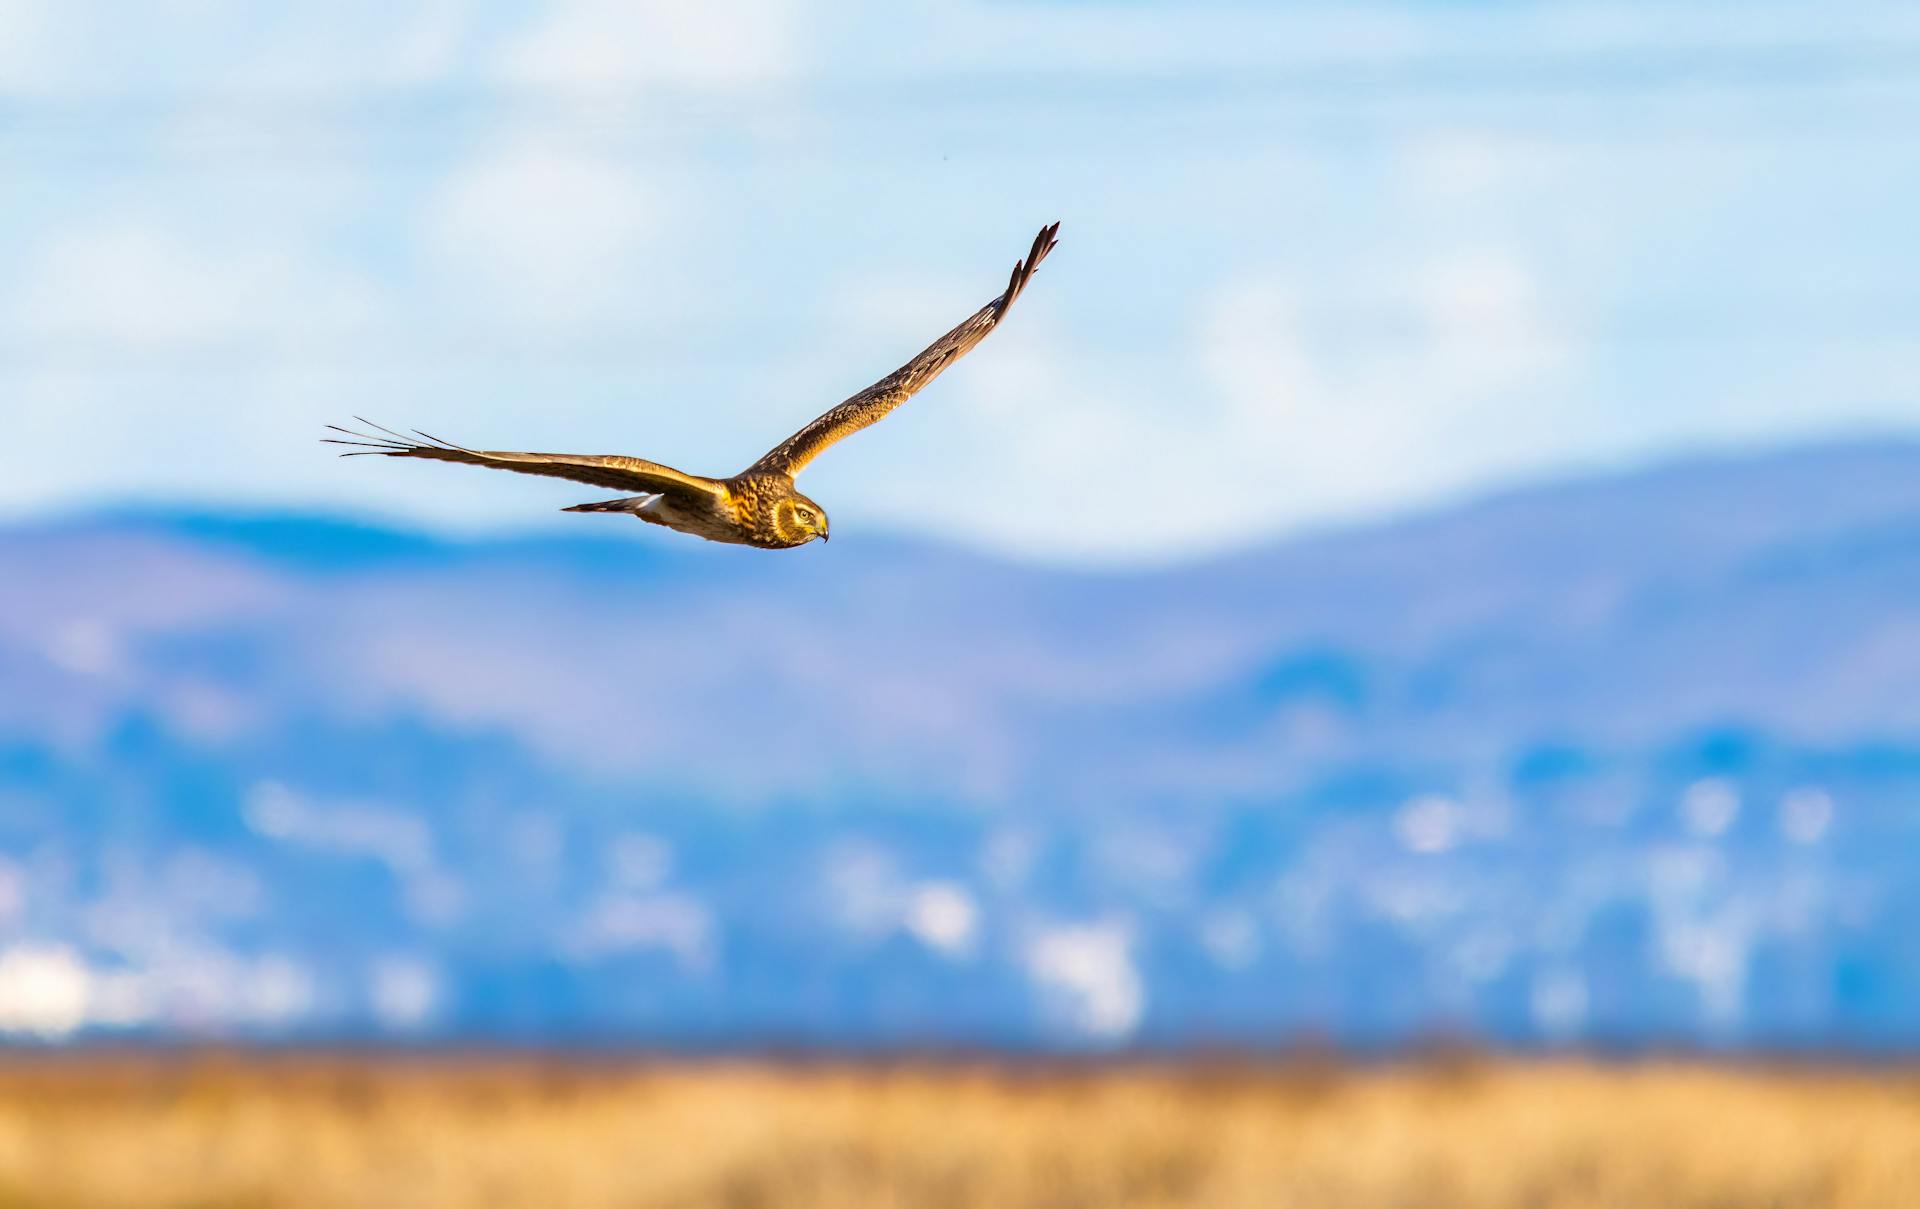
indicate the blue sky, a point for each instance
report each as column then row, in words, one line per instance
column 1317, row 264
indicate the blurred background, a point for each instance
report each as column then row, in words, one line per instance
column 1435, row 555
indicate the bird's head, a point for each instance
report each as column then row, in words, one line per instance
column 799, row 520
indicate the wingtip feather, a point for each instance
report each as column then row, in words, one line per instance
column 393, row 442
column 1023, row 270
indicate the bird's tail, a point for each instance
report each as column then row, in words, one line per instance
column 631, row 503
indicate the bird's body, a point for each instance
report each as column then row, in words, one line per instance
column 757, row 507
column 746, row 510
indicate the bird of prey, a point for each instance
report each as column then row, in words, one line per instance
column 757, row 507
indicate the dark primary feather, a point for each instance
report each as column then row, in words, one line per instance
column 873, row 403
column 612, row 470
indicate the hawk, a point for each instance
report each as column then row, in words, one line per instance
column 757, row 507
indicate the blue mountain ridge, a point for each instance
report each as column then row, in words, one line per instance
column 1620, row 761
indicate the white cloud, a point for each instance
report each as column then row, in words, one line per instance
column 402, row 842
column 944, row 917
column 176, row 353
column 189, row 985
column 1090, row 968
column 43, row 991
column 638, row 861
column 138, row 286
column 619, row 923
column 872, row 900
column 69, row 49
column 345, row 46
column 1710, row 806
column 1454, row 166
column 26, row 34
column 85, row 646
column 276, row 991
column 542, row 231
column 718, row 45
column 1231, row 937
column 1430, row 823
column 1351, row 411
column 865, row 889
column 403, row 992
column 1114, row 39
column 1711, row 950
column 1805, row 814
column 1485, row 321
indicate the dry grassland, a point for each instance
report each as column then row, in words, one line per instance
column 422, row 1133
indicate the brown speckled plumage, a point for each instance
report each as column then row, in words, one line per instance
column 757, row 507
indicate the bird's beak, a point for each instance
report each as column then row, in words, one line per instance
column 824, row 536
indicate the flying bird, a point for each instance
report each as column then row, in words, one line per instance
column 757, row 507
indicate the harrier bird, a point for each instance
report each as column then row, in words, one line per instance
column 757, row 507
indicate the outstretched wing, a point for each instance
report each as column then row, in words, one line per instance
column 620, row 473
column 873, row 403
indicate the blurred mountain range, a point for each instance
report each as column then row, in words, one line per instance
column 1625, row 761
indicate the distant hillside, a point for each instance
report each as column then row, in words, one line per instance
column 1628, row 760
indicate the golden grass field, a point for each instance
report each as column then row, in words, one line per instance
column 305, row 1131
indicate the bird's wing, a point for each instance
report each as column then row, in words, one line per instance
column 873, row 403
column 610, row 470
